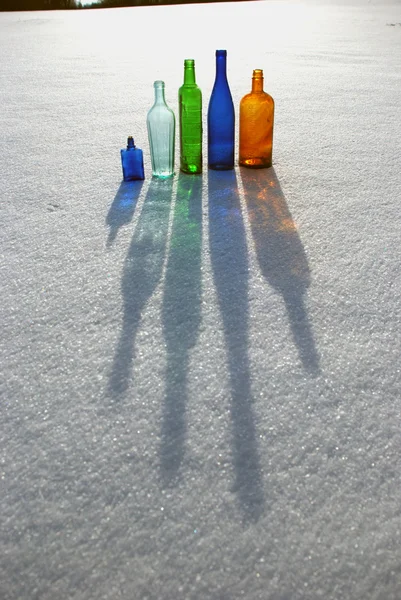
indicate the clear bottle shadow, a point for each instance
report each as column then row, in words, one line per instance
column 122, row 208
column 229, row 259
column 181, row 318
column 142, row 271
column 281, row 255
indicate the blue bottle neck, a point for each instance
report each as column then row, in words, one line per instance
column 221, row 66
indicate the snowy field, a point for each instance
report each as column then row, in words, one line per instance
column 200, row 378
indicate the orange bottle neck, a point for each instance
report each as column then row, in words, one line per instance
column 257, row 84
column 257, row 80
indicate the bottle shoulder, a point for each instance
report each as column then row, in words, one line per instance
column 131, row 151
column 221, row 94
column 190, row 91
column 189, row 86
column 160, row 109
column 221, row 83
column 257, row 98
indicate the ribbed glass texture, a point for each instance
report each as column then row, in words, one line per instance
column 190, row 107
column 161, row 134
column 132, row 161
column 256, row 119
column 221, row 119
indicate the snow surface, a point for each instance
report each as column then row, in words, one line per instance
column 201, row 377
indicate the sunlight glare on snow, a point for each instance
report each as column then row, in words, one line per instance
column 144, row 28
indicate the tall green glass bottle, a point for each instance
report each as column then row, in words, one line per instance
column 190, row 107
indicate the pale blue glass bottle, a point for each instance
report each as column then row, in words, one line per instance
column 132, row 161
column 161, row 133
column 221, row 119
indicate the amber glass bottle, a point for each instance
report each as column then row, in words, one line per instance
column 256, row 116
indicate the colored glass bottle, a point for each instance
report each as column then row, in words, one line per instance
column 190, row 107
column 221, row 119
column 132, row 161
column 161, row 133
column 256, row 118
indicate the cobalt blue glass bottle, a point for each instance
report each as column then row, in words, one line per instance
column 221, row 119
column 132, row 161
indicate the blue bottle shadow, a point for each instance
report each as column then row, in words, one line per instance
column 229, row 259
column 122, row 208
column 142, row 272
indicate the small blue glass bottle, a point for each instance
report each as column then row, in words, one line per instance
column 132, row 161
column 221, row 119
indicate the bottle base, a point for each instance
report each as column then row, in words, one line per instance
column 163, row 175
column 255, row 163
column 133, row 178
column 191, row 170
column 217, row 167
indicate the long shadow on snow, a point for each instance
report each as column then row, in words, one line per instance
column 281, row 255
column 123, row 207
column 230, row 271
column 181, row 315
column 141, row 274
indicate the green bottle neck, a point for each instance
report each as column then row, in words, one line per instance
column 189, row 72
